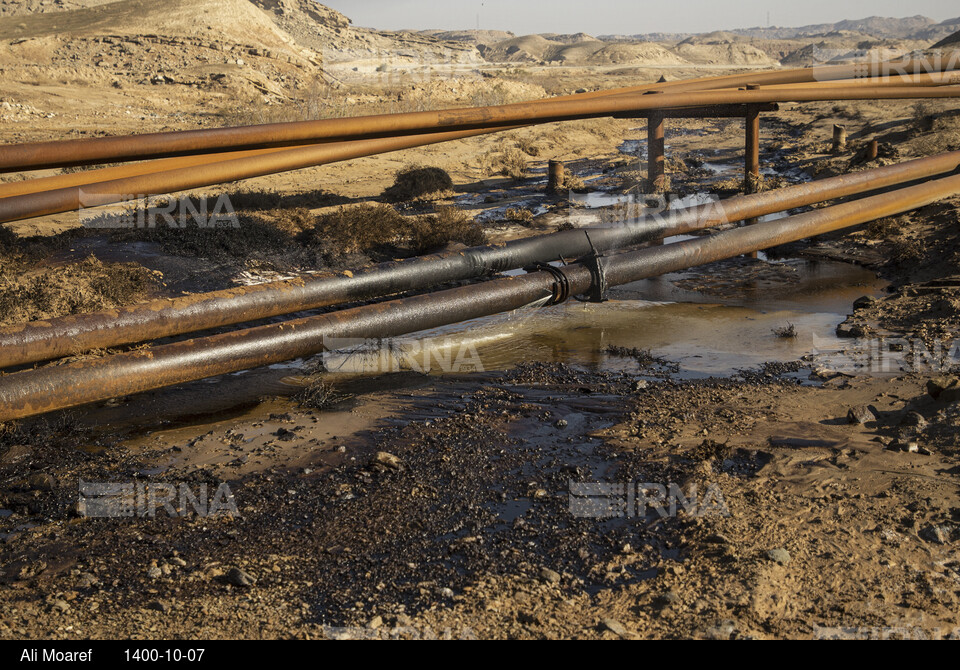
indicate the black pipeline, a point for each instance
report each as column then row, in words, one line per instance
column 45, row 340
column 62, row 386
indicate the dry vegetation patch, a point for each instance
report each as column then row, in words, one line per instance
column 417, row 182
column 91, row 285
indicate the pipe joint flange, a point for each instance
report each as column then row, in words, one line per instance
column 561, row 285
column 598, row 276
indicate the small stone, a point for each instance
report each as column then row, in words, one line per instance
column 640, row 385
column 864, row 302
column 41, row 482
column 61, row 606
column 561, row 423
column 951, row 395
column 158, row 606
column 86, row 580
column 824, row 373
column 388, row 460
column 667, row 599
column 938, row 534
column 613, row 626
column 446, row 593
column 906, row 446
column 154, row 573
column 375, row 623
column 722, row 631
column 779, row 556
column 937, row 386
column 550, row 576
column 238, row 577
column 913, row 419
column 860, row 415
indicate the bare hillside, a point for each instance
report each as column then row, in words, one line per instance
column 236, row 21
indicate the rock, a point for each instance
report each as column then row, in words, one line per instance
column 40, row 482
column 15, row 454
column 667, row 599
column 446, row 593
column 863, row 302
column 528, row 618
column 860, row 415
column 61, row 606
column 640, row 385
column 561, row 423
column 550, row 576
column 238, row 577
column 388, row 460
column 951, row 395
column 722, row 631
column 907, row 446
column 937, row 386
column 779, row 556
column 854, row 330
column 824, row 373
column 158, row 606
column 938, row 534
column 154, row 573
column 613, row 626
column 375, row 623
column 86, row 580
column 914, row 419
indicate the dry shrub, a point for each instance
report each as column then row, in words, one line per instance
column 320, row 396
column 290, row 222
column 924, row 117
column 416, row 182
column 378, row 230
column 508, row 162
column 573, row 183
column 447, row 225
column 253, row 237
column 528, row 146
column 788, row 332
column 661, row 184
column 518, row 215
column 882, row 229
column 271, row 199
column 358, row 229
column 8, row 238
column 72, row 289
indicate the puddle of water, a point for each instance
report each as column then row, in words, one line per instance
column 713, row 330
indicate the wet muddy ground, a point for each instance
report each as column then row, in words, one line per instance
column 437, row 491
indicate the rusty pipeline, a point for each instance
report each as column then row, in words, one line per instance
column 51, row 388
column 467, row 123
column 95, row 194
column 41, row 155
column 41, row 184
column 55, row 338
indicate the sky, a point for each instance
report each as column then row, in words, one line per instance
column 626, row 17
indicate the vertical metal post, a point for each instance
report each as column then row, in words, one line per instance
column 655, row 149
column 839, row 138
column 752, row 151
column 556, row 176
